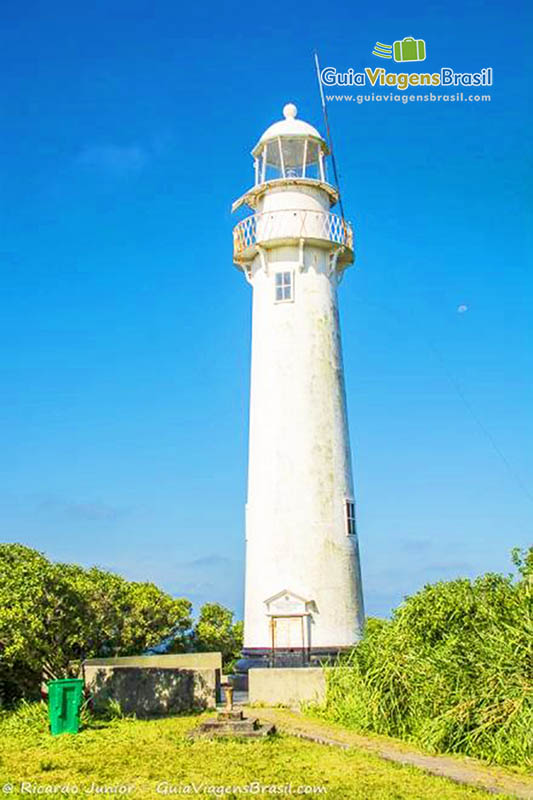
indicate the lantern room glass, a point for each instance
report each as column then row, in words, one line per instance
column 290, row 157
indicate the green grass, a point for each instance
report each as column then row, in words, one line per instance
column 144, row 754
column 452, row 671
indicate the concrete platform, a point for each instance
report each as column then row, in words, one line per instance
column 233, row 724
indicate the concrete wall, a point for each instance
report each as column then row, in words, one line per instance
column 152, row 691
column 174, row 661
column 286, row 686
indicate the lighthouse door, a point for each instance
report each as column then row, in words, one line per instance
column 288, row 643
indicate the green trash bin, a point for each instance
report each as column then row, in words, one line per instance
column 64, row 703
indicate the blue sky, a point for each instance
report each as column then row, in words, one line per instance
column 126, row 131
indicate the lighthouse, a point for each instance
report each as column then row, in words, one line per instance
column 303, row 592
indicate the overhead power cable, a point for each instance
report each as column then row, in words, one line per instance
column 329, row 137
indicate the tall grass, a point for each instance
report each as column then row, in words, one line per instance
column 452, row 671
column 28, row 721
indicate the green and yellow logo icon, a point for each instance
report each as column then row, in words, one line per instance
column 382, row 50
column 407, row 49
column 410, row 49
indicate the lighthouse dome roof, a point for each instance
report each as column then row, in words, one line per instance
column 289, row 127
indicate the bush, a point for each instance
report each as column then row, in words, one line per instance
column 54, row 614
column 452, row 670
column 26, row 722
column 215, row 630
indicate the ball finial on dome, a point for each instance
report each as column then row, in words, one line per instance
column 290, row 111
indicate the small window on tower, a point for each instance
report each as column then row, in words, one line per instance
column 284, row 289
column 350, row 518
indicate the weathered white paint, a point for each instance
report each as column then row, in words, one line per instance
column 300, row 472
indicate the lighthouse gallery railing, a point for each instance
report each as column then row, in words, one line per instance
column 290, row 224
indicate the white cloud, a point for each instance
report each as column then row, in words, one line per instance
column 114, row 158
column 93, row 511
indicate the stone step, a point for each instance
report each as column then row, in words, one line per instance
column 254, row 733
column 230, row 715
column 231, row 725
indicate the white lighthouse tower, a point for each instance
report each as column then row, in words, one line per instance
column 303, row 596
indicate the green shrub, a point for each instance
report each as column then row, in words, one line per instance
column 54, row 614
column 452, row 670
column 215, row 630
column 111, row 712
column 27, row 721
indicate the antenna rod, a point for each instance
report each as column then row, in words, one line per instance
column 328, row 133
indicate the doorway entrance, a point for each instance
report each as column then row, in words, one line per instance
column 289, row 641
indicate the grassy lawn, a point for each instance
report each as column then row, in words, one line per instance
column 157, row 759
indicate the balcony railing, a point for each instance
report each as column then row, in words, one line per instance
column 289, row 224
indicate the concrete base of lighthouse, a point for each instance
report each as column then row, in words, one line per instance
column 259, row 657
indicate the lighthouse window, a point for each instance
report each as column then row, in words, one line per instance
column 284, row 290
column 350, row 518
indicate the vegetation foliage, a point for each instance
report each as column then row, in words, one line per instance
column 216, row 630
column 54, row 615
column 452, row 670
